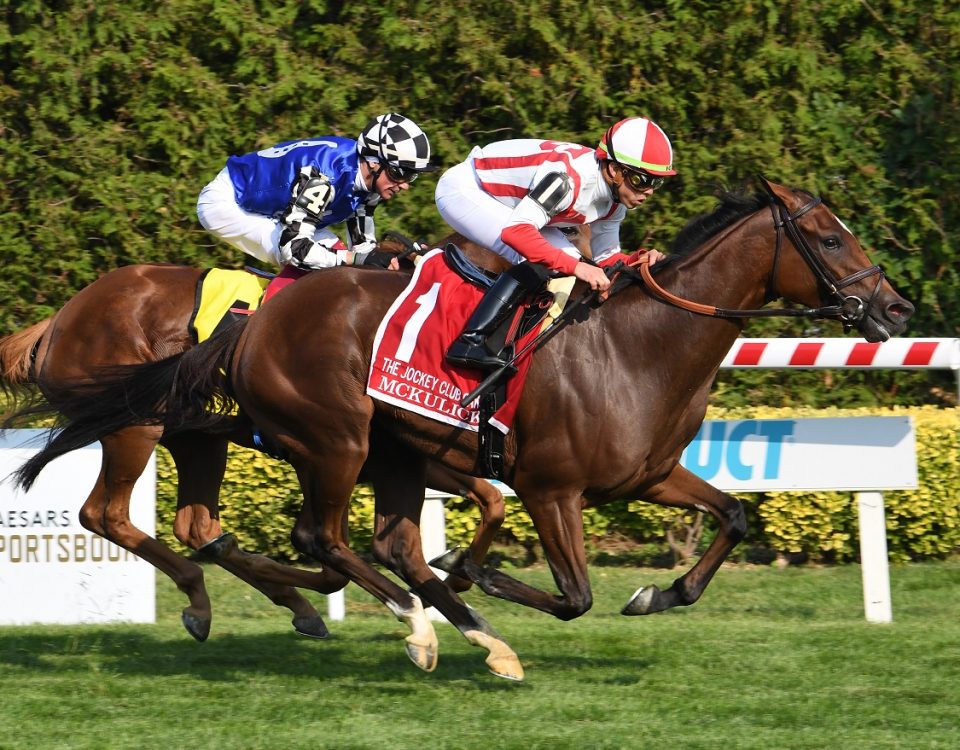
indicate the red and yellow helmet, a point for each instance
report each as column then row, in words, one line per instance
column 638, row 143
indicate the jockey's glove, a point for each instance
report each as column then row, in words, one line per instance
column 373, row 258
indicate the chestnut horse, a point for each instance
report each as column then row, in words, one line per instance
column 608, row 407
column 139, row 314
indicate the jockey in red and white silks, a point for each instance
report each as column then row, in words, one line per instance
column 515, row 196
column 482, row 198
column 487, row 197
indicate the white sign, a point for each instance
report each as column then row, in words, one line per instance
column 52, row 570
column 849, row 453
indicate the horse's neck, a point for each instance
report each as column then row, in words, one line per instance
column 730, row 271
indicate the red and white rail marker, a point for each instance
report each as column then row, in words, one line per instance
column 942, row 354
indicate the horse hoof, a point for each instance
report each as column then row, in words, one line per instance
column 218, row 548
column 507, row 667
column 501, row 659
column 422, row 644
column 198, row 627
column 450, row 561
column 643, row 602
column 424, row 655
column 312, row 626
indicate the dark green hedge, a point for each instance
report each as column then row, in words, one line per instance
column 113, row 115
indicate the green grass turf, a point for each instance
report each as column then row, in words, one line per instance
column 767, row 659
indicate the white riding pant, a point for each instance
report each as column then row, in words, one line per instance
column 480, row 217
column 256, row 234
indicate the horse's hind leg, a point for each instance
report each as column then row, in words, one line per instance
column 397, row 477
column 327, row 477
column 107, row 512
column 492, row 511
column 683, row 489
column 201, row 461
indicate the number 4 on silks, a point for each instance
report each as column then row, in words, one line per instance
column 315, row 195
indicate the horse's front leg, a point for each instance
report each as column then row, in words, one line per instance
column 683, row 489
column 558, row 519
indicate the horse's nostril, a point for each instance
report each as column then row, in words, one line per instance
column 900, row 310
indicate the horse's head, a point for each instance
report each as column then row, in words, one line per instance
column 829, row 267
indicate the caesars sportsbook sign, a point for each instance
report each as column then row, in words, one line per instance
column 52, row 570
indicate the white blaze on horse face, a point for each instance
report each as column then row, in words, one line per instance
column 840, row 222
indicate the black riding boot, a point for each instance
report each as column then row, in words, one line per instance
column 471, row 347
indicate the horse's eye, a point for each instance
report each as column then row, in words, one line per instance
column 832, row 242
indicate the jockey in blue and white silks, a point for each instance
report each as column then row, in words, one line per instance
column 278, row 204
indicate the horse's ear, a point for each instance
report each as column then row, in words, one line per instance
column 778, row 192
column 765, row 184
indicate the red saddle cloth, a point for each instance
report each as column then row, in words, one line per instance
column 408, row 367
column 287, row 276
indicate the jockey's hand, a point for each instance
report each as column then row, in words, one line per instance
column 652, row 254
column 376, row 259
column 593, row 275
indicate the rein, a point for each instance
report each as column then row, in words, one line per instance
column 848, row 309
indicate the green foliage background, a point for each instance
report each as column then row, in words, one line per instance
column 115, row 114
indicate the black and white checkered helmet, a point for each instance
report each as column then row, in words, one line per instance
column 396, row 140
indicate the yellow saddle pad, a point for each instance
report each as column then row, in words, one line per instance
column 218, row 292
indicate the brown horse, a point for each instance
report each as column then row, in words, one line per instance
column 607, row 409
column 141, row 314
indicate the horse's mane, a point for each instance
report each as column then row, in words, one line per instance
column 733, row 206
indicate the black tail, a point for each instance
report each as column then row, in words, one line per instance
column 188, row 391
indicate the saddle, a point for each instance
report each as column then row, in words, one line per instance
column 225, row 296
column 465, row 268
column 529, row 314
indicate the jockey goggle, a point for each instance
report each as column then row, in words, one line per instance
column 639, row 181
column 400, row 174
